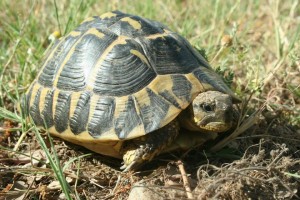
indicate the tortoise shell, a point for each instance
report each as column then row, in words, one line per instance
column 117, row 77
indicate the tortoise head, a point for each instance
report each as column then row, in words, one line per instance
column 211, row 111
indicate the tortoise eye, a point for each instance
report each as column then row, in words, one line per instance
column 207, row 107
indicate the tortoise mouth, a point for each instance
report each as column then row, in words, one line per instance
column 216, row 126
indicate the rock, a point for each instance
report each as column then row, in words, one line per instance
column 142, row 191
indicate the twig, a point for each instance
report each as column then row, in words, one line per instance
column 186, row 183
column 20, row 140
column 239, row 130
column 218, row 54
column 117, row 185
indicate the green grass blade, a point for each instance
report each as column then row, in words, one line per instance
column 66, row 165
column 54, row 163
column 4, row 113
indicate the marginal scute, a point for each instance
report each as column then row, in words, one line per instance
column 62, row 109
column 154, row 113
column 33, row 90
column 43, row 94
column 79, row 120
column 102, row 117
column 54, row 101
column 127, row 119
column 27, row 99
column 47, row 113
column 75, row 96
column 34, row 110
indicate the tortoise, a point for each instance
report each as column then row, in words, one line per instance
column 123, row 86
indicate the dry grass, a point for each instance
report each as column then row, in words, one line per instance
column 257, row 40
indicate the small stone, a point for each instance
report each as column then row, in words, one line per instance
column 142, row 191
column 62, row 196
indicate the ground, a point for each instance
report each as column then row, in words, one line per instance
column 253, row 44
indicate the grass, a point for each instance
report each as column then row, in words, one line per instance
column 263, row 55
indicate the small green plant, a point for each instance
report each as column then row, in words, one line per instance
column 226, row 74
column 202, row 52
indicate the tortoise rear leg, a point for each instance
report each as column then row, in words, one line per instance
column 143, row 149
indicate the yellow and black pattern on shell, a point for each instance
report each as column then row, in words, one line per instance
column 117, row 77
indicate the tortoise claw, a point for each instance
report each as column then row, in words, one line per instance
column 129, row 167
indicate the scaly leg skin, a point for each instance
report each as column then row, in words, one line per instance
column 143, row 149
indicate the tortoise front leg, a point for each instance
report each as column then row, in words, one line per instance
column 143, row 149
